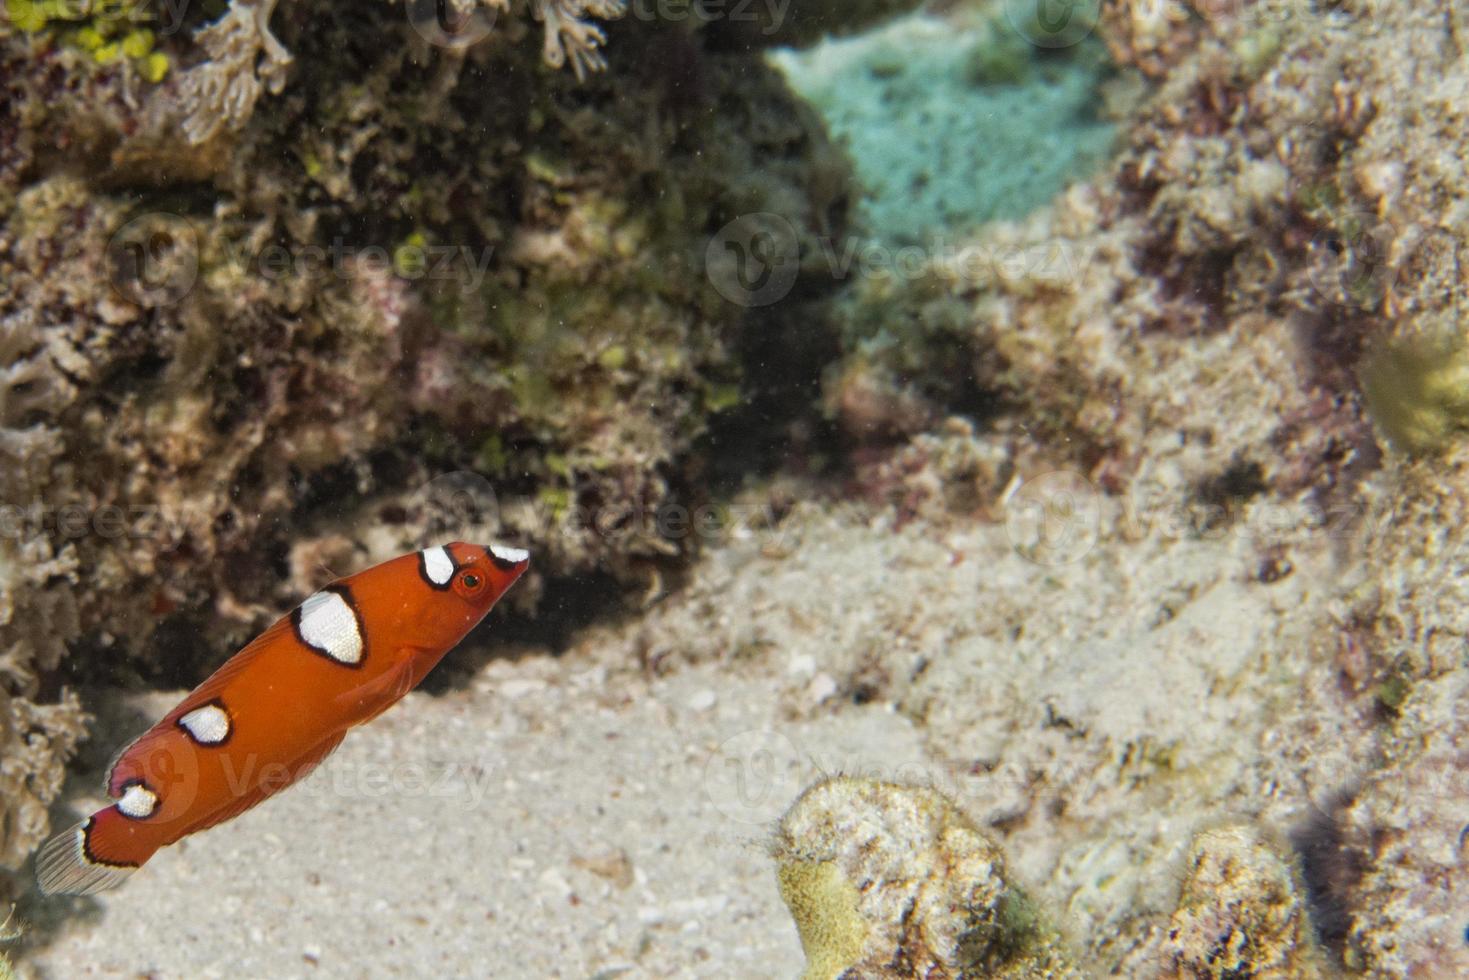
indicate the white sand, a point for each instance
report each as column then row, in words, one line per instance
column 546, row 823
column 587, row 816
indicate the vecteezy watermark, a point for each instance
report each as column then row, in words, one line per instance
column 453, row 24
column 411, row 261
column 69, row 522
column 769, row 14
column 463, row 782
column 1358, row 258
column 153, row 259
column 1055, row 518
column 975, row 264
column 464, row 504
column 1349, row 259
column 754, row 260
column 172, row 771
column 458, row 502
column 460, row 24
column 1053, row 23
column 754, row 776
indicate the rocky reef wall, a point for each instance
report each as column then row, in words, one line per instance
column 269, row 275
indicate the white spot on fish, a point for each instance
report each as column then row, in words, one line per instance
column 327, row 624
column 208, row 725
column 512, row 555
column 138, row 802
column 438, row 566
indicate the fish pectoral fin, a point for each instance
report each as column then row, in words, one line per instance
column 386, row 689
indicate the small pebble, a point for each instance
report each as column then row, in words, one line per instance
column 822, row 687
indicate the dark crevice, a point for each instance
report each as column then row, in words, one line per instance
column 1331, row 869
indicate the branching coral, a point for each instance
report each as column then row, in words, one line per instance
column 569, row 35
column 36, row 616
column 246, row 58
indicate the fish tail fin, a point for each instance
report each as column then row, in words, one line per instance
column 96, row 854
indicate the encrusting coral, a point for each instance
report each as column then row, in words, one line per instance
column 886, row 880
column 1241, row 913
column 1417, row 387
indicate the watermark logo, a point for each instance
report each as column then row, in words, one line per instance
column 754, row 776
column 73, row 521
column 753, row 261
column 170, row 770
column 153, row 260
column 1053, row 23
column 452, row 24
column 459, row 501
column 1055, row 518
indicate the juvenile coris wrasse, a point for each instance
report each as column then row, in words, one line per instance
column 279, row 706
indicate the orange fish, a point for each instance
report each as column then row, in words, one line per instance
column 279, row 706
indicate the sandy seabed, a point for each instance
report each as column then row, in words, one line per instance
column 607, row 812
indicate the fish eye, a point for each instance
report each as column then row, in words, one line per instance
column 471, row 581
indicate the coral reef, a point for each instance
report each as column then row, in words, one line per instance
column 887, row 880
column 37, row 739
column 38, row 613
column 244, row 59
column 260, row 351
column 1138, row 560
column 1241, row 913
column 1252, row 194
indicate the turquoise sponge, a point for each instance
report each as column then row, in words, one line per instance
column 950, row 126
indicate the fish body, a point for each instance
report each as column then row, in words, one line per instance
column 276, row 708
